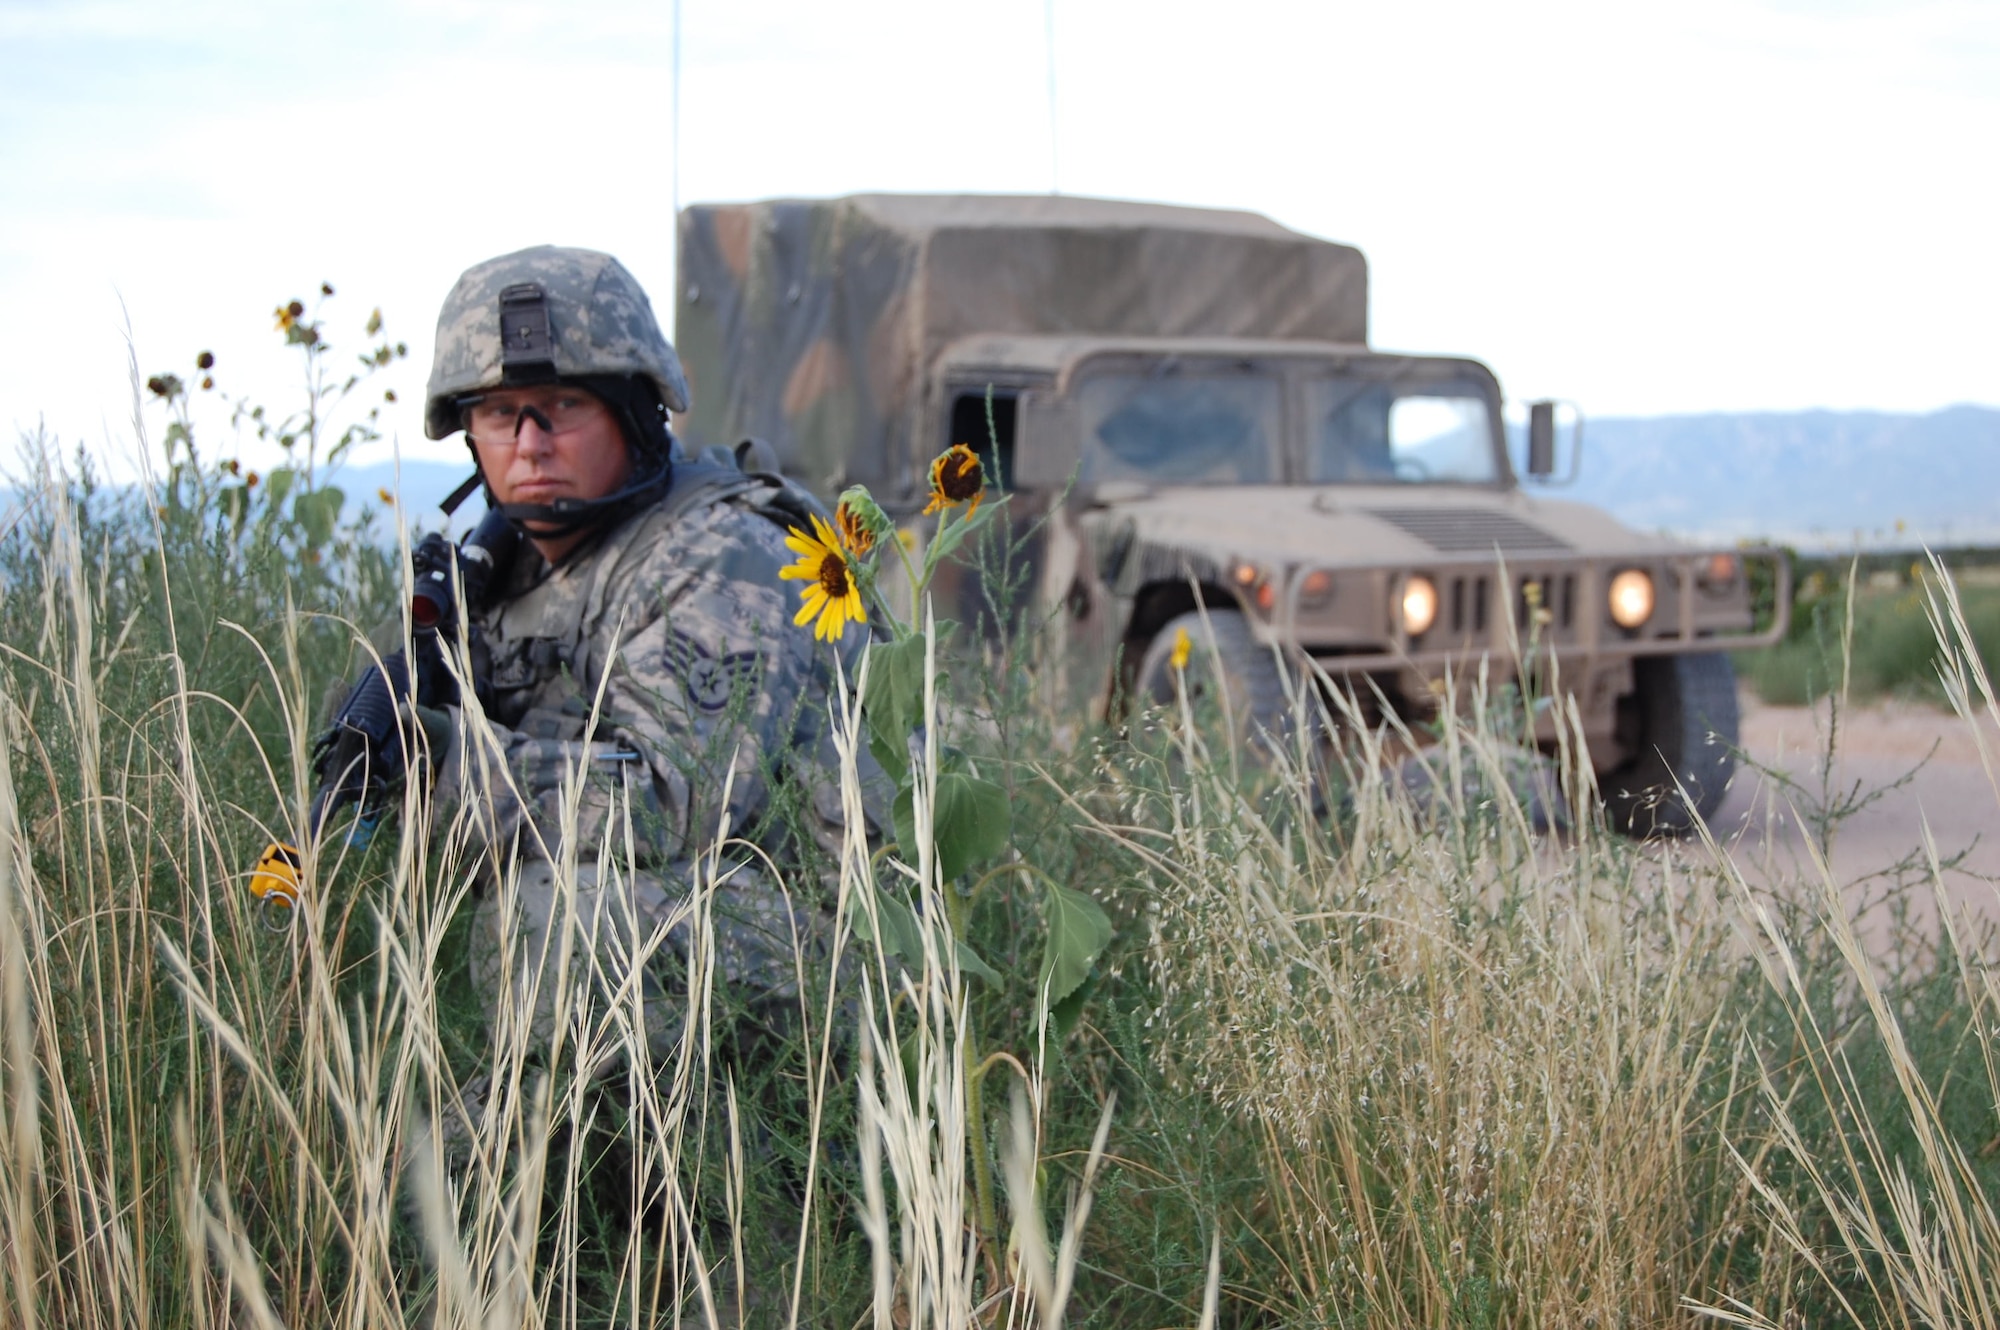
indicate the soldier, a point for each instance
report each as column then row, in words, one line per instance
column 641, row 641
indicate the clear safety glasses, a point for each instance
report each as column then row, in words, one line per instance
column 491, row 419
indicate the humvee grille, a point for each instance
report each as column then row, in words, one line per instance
column 1467, row 595
column 1556, row 594
column 1468, row 530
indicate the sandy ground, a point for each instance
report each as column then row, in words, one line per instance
column 1926, row 765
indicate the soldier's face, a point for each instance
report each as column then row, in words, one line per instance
column 537, row 445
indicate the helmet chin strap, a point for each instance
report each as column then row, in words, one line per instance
column 566, row 517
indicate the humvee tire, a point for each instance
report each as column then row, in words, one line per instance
column 1679, row 703
column 1222, row 641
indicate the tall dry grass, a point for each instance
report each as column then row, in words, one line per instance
column 1471, row 1058
column 1486, row 1076
column 1915, row 1237
column 212, row 1123
column 1378, row 1058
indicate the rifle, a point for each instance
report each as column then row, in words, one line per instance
column 363, row 756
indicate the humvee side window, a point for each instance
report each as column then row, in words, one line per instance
column 1170, row 428
column 1441, row 438
column 1380, row 433
column 994, row 444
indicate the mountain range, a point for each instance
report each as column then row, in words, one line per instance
column 1816, row 479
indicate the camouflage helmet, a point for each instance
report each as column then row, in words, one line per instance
column 569, row 313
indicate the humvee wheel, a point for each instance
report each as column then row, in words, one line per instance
column 1222, row 651
column 1687, row 732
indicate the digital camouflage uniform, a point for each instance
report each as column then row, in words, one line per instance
column 659, row 663
column 710, row 688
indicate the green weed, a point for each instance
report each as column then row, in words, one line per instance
column 1895, row 651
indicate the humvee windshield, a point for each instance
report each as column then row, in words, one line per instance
column 1363, row 431
column 1172, row 424
column 1222, row 422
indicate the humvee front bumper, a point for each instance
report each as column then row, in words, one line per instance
column 1552, row 605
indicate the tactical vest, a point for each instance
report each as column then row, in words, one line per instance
column 536, row 646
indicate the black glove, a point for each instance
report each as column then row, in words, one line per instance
column 361, row 757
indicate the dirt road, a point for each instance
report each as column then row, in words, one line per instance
column 1933, row 753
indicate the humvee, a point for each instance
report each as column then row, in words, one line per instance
column 1189, row 398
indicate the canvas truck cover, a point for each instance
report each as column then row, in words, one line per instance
column 813, row 324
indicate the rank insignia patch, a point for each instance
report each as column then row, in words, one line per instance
column 711, row 681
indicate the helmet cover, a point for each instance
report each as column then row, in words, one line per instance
column 579, row 314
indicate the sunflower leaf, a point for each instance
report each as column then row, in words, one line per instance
column 953, row 530
column 895, row 701
column 1064, row 1016
column 971, row 962
column 901, row 935
column 892, row 757
column 1079, row 931
column 970, row 823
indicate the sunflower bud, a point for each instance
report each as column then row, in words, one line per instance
column 860, row 519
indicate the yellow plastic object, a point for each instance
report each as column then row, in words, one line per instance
column 275, row 880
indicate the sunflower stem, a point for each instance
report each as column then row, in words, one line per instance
column 917, row 584
column 871, row 590
column 975, row 1100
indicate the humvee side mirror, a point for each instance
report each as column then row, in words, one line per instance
column 1542, row 443
column 1541, row 439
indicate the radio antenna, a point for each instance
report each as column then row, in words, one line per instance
column 675, row 187
column 1049, row 44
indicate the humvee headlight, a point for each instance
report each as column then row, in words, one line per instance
column 1631, row 598
column 1315, row 589
column 1420, row 605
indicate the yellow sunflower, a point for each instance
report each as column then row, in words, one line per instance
column 955, row 479
column 830, row 593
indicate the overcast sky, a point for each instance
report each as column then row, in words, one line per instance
column 1648, row 209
